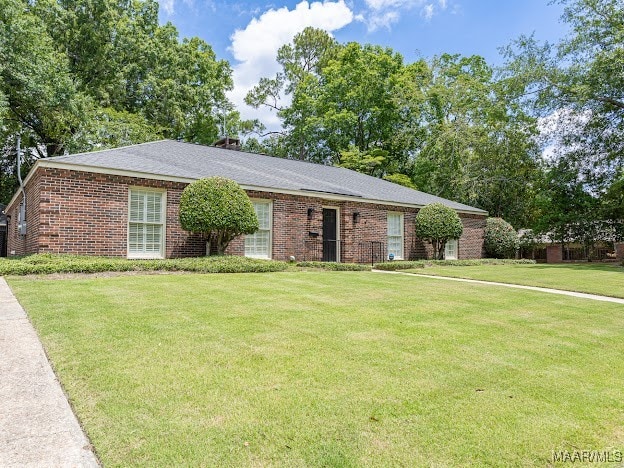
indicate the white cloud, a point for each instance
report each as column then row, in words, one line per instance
column 381, row 20
column 255, row 47
column 383, row 4
column 384, row 13
column 427, row 11
column 167, row 5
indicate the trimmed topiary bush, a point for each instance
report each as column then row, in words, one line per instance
column 437, row 223
column 501, row 239
column 219, row 209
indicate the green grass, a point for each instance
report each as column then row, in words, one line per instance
column 593, row 278
column 342, row 369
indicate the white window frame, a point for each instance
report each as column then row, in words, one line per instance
column 455, row 244
column 163, row 224
column 270, row 230
column 402, row 223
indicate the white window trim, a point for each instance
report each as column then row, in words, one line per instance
column 270, row 250
column 163, row 207
column 338, row 229
column 456, row 241
column 402, row 221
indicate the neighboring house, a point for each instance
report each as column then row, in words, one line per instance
column 124, row 202
column 547, row 248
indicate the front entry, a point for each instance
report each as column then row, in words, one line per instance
column 330, row 235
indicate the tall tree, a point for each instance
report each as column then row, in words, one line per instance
column 292, row 93
column 85, row 74
column 42, row 98
column 579, row 83
column 471, row 142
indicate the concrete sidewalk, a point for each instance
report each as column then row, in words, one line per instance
column 593, row 297
column 37, row 425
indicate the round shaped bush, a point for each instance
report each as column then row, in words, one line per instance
column 437, row 223
column 501, row 239
column 219, row 209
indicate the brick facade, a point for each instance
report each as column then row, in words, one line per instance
column 87, row 213
column 554, row 253
column 619, row 251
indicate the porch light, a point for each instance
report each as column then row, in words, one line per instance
column 310, row 213
column 356, row 217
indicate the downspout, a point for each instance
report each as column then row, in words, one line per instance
column 22, row 208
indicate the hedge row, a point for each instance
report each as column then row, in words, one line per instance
column 408, row 265
column 335, row 266
column 47, row 264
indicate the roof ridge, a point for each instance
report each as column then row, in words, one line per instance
column 109, row 149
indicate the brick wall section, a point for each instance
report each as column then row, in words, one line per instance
column 554, row 253
column 86, row 213
column 28, row 244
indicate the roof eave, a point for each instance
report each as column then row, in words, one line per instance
column 153, row 176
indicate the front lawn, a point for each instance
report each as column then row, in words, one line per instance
column 593, row 278
column 317, row 368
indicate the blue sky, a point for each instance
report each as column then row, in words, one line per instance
column 248, row 34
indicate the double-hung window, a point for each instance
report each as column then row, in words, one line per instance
column 146, row 223
column 258, row 244
column 395, row 235
column 450, row 249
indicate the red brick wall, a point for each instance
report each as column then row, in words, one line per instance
column 27, row 244
column 87, row 213
column 619, row 251
column 554, row 253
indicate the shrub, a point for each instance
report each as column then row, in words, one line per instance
column 437, row 223
column 501, row 239
column 219, row 209
column 47, row 264
column 335, row 266
column 399, row 265
column 408, row 265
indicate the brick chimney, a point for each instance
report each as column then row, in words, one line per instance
column 228, row 143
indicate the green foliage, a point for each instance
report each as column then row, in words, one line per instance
column 367, row 162
column 578, row 83
column 500, row 239
column 448, row 126
column 107, row 128
column 334, row 266
column 342, row 102
column 219, row 209
column 570, row 213
column 92, row 74
column 437, row 223
column 42, row 264
column 36, row 80
column 472, row 142
column 414, row 264
column 400, row 179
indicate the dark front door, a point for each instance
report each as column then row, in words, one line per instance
column 330, row 231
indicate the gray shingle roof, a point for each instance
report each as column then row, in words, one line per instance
column 169, row 158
